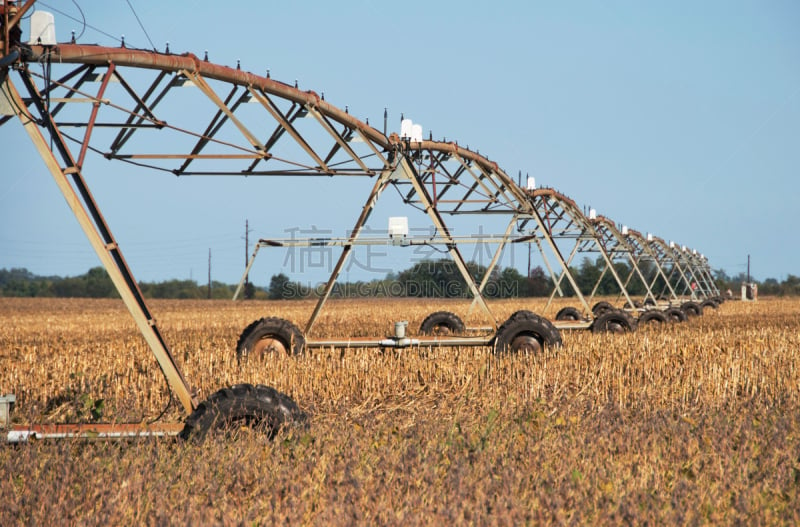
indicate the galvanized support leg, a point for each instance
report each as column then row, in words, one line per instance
column 697, row 278
column 377, row 189
column 687, row 284
column 246, row 273
column 556, row 281
column 660, row 273
column 635, row 268
column 565, row 271
column 712, row 287
column 560, row 278
column 94, row 226
column 672, row 281
column 599, row 280
column 614, row 273
column 705, row 286
column 493, row 263
column 438, row 222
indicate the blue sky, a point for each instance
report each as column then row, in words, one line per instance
column 677, row 118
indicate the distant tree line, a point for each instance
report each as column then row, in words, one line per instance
column 428, row 278
column 97, row 284
column 788, row 287
column 440, row 278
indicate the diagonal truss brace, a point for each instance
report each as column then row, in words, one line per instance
column 94, row 226
column 403, row 170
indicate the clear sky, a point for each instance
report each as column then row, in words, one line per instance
column 678, row 118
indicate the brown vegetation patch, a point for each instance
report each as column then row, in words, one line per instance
column 686, row 423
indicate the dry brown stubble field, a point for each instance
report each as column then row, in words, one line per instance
column 692, row 423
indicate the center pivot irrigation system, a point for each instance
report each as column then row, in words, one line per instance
column 185, row 116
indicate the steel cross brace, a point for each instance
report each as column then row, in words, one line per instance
column 380, row 185
column 548, row 237
column 655, row 247
column 403, row 170
column 645, row 249
column 495, row 259
column 342, row 242
column 86, row 211
column 452, row 248
column 685, row 273
column 585, row 233
column 636, row 270
column 668, row 257
column 699, row 270
column 621, row 248
column 608, row 264
column 565, row 271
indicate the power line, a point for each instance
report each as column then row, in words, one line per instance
column 140, row 24
column 82, row 22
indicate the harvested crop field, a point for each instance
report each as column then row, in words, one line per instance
column 695, row 423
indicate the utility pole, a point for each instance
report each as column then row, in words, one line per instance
column 748, row 269
column 246, row 251
column 209, row 273
column 529, row 260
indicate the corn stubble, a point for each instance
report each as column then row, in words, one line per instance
column 689, row 423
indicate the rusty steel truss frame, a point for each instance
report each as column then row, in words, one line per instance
column 634, row 247
column 689, row 275
column 182, row 115
column 617, row 246
column 112, row 101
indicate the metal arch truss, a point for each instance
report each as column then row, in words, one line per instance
column 131, row 105
column 558, row 218
column 689, row 273
column 616, row 244
column 185, row 116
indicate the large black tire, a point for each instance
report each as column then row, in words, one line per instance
column 710, row 302
column 522, row 313
column 258, row 407
column 674, row 314
column 614, row 321
column 568, row 313
column 441, row 323
column 525, row 332
column 652, row 317
column 268, row 335
column 692, row 309
column 601, row 307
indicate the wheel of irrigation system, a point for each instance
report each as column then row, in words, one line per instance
column 601, row 307
column 256, row 407
column 268, row 335
column 674, row 314
column 652, row 317
column 441, row 323
column 522, row 313
column 568, row 313
column 525, row 332
column 709, row 302
column 649, row 302
column 614, row 321
column 692, row 309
